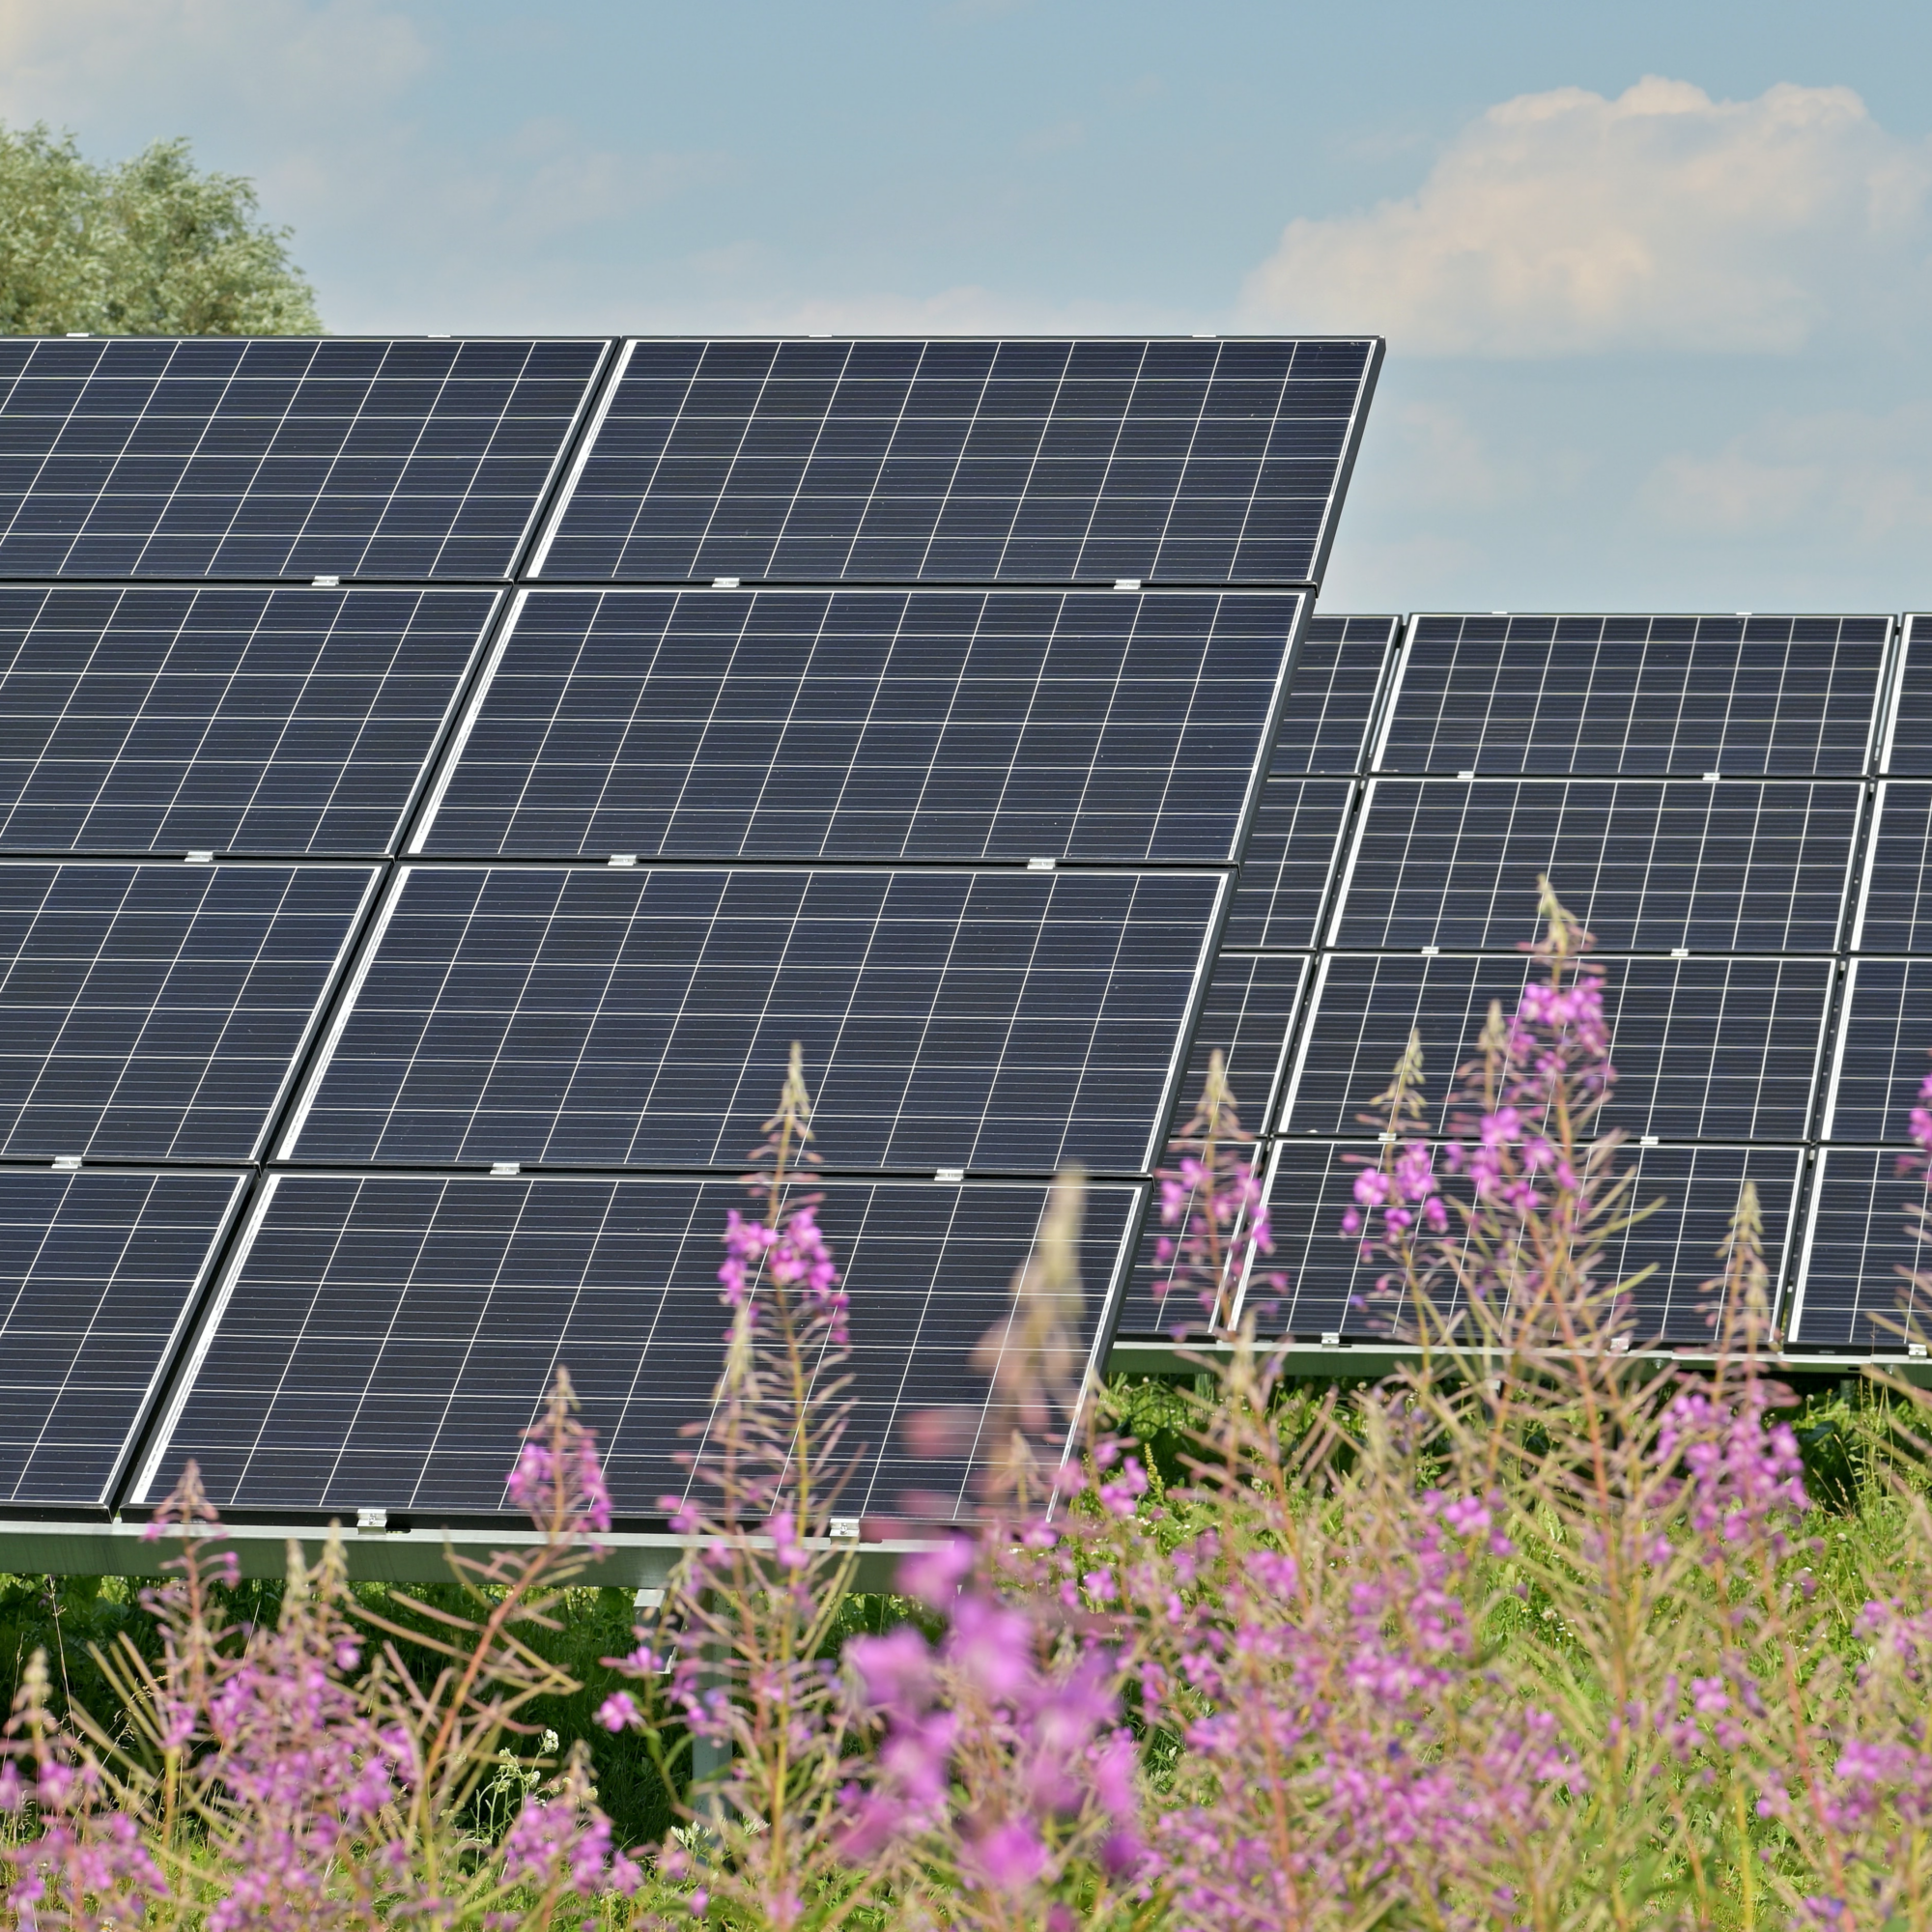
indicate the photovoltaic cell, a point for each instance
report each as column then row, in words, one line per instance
column 1251, row 1003
column 383, row 1340
column 869, row 724
column 1049, row 462
column 1646, row 865
column 1705, row 1049
column 97, row 1274
column 1909, row 752
column 1896, row 916
column 1290, row 859
column 1850, row 1294
column 1885, row 1036
column 154, row 1012
column 1331, row 1290
column 144, row 718
column 1324, row 725
column 1637, row 696
column 1012, row 1021
column 213, row 456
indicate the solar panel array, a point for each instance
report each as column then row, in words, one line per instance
column 1735, row 807
column 440, row 779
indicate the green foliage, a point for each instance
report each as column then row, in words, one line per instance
column 149, row 246
column 71, row 1617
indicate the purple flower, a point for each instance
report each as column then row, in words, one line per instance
column 934, row 1575
column 1010, row 1858
column 618, row 1712
column 895, row 1671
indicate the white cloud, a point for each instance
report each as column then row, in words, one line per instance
column 1563, row 224
column 308, row 62
column 301, row 95
column 1858, row 480
column 331, row 107
column 748, row 291
column 1441, row 460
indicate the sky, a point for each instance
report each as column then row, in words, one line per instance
column 1656, row 278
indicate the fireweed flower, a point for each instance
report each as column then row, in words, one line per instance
column 731, row 1666
column 1000, row 1755
column 1533, row 1632
column 1213, row 1212
column 1536, row 1198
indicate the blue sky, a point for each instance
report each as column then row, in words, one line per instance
column 1654, row 277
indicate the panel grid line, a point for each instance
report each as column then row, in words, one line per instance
column 98, row 1275
column 7, row 1320
column 225, row 458
column 273, row 722
column 892, row 498
column 1081, row 725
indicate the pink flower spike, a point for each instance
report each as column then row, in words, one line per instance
column 619, row 1711
column 934, row 1575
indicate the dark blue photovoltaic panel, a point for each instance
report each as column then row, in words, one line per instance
column 1850, row 1294
column 1884, row 1037
column 598, row 1016
column 385, row 1339
column 1910, row 748
column 1331, row 1289
column 1251, row 1003
column 1190, row 462
column 212, row 456
column 1292, row 856
column 1637, row 696
column 869, row 724
column 144, row 718
column 1646, row 865
column 1705, row 1049
column 154, row 1012
column 1898, row 912
column 1331, row 699
column 97, row 1274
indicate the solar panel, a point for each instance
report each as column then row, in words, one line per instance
column 1338, row 675
column 641, row 1018
column 1646, row 865
column 214, row 456
column 1636, row 696
column 1332, row 1289
column 154, row 1012
column 956, row 789
column 1856, row 1240
column 954, row 460
column 97, row 1273
column 1291, row 860
column 143, row 717
column 1249, row 1014
column 1895, row 915
column 869, row 724
column 382, row 1340
column 1705, row 1049
column 1880, row 1059
column 1908, row 748
column 1252, row 1000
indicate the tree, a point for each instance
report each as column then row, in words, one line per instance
column 150, row 247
